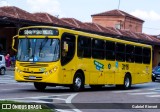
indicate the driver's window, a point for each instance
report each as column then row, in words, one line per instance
column 67, row 48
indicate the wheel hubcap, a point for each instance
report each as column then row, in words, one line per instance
column 78, row 82
column 2, row 71
column 127, row 82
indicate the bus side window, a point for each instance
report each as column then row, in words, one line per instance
column 129, row 53
column 138, row 54
column 146, row 55
column 98, row 49
column 84, row 47
column 120, row 52
column 69, row 41
column 110, row 50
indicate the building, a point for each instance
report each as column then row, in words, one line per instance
column 118, row 19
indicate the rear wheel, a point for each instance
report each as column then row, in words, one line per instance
column 40, row 86
column 2, row 71
column 78, row 82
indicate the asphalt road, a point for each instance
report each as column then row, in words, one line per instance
column 86, row 100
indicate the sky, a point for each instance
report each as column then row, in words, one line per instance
column 148, row 10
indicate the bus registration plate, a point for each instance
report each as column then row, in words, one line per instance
column 32, row 77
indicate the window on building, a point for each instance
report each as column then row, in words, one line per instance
column 138, row 54
column 120, row 52
column 98, row 48
column 146, row 55
column 68, row 39
column 118, row 26
column 110, row 50
column 84, row 47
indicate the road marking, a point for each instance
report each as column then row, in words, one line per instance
column 69, row 100
column 146, row 93
column 153, row 96
column 41, row 97
column 13, row 89
column 127, row 91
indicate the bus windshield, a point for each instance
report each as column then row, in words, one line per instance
column 38, row 50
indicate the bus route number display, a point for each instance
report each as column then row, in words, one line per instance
column 38, row 31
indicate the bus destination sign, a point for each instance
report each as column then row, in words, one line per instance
column 39, row 31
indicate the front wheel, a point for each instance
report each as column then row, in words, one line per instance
column 40, row 86
column 78, row 82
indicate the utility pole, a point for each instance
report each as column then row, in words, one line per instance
column 119, row 4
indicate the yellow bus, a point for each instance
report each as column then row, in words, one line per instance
column 51, row 56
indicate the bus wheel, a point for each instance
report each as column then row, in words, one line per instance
column 127, row 83
column 40, row 86
column 78, row 83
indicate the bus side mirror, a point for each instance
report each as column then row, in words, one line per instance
column 13, row 43
column 65, row 47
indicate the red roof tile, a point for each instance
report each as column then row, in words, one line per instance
column 20, row 14
column 5, row 14
column 117, row 13
column 77, row 23
column 51, row 19
column 107, row 30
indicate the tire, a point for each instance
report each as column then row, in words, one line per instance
column 126, row 84
column 40, row 86
column 153, row 79
column 2, row 71
column 78, row 83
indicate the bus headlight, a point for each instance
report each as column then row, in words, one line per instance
column 52, row 70
column 46, row 73
column 55, row 68
column 18, row 70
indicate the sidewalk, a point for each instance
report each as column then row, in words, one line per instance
column 10, row 68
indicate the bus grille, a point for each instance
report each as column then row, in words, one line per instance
column 33, row 72
column 37, row 78
column 33, row 65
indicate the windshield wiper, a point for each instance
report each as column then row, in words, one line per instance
column 42, row 45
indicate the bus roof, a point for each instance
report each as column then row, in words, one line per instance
column 93, row 35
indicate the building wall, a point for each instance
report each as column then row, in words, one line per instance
column 112, row 21
column 6, row 35
column 133, row 25
column 156, row 55
column 107, row 21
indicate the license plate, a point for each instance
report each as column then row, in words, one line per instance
column 32, row 77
